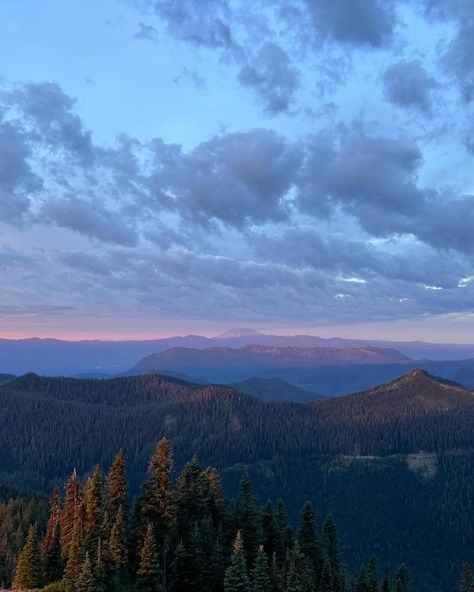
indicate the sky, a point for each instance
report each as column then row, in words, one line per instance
column 172, row 167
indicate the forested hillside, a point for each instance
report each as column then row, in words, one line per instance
column 182, row 536
column 357, row 457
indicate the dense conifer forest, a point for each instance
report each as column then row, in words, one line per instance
column 393, row 465
column 180, row 535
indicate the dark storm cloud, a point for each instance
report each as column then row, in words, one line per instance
column 408, row 84
column 272, row 77
column 360, row 23
column 91, row 219
column 50, row 111
column 17, row 179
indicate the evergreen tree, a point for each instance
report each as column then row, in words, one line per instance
column 466, row 583
column 236, row 578
column 182, row 577
column 385, row 581
column 148, row 574
column 71, row 512
column 53, row 520
column 100, row 569
column 198, row 562
column 75, row 560
column 362, row 581
column 269, row 535
column 299, row 577
column 247, row 518
column 53, row 564
column 308, row 540
column 331, row 545
column 156, row 503
column 86, row 581
column 372, row 575
column 118, row 545
column 28, row 572
column 325, row 581
column 402, row 579
column 261, row 574
column 285, row 536
column 94, row 511
column 117, row 489
column 191, row 497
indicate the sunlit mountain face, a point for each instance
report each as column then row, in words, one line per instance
column 294, row 166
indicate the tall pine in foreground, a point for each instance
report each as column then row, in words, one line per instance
column 236, row 578
column 116, row 489
column 28, row 573
column 148, row 574
column 261, row 574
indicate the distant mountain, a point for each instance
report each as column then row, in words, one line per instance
column 4, row 378
column 65, row 358
column 223, row 364
column 233, row 333
column 275, row 389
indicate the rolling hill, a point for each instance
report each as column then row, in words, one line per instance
column 275, row 389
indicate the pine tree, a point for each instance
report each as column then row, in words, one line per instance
column 148, row 574
column 191, row 497
column 466, row 583
column 269, row 535
column 236, row 578
column 285, row 536
column 362, row 581
column 261, row 574
column 71, row 512
column 53, row 564
column 86, row 581
column 28, row 572
column 299, row 575
column 94, row 511
column 75, row 560
column 325, row 581
column 402, row 579
column 117, row 489
column 100, row 571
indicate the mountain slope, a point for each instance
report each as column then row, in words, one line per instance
column 275, row 389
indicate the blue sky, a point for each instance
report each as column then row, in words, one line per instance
column 292, row 165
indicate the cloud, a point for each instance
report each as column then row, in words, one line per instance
column 238, row 178
column 408, row 84
column 147, row 33
column 368, row 23
column 272, row 77
column 17, row 179
column 49, row 109
column 91, row 219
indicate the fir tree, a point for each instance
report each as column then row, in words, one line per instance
column 325, row 581
column 94, row 511
column 269, row 535
column 75, row 560
column 100, row 571
column 402, row 579
column 466, row 583
column 53, row 520
column 385, row 581
column 71, row 512
column 331, row 544
column 86, row 581
column 182, row 576
column 236, row 578
column 261, row 574
column 28, row 572
column 53, row 565
column 148, row 574
column 157, row 500
column 285, row 536
column 247, row 518
column 299, row 577
column 362, row 581
column 117, row 489
column 372, row 575
column 308, row 540
column 118, row 545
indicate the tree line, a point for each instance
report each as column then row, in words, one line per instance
column 184, row 535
